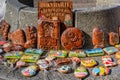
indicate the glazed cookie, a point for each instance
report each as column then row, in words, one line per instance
column 117, row 55
column 34, row 51
column 14, row 55
column 30, row 58
column 110, row 50
column 64, row 69
column 58, row 53
column 43, row 64
column 62, row 61
column 88, row 62
column 100, row 71
column 50, row 57
column 77, row 53
column 95, row 52
column 81, row 72
column 29, row 71
column 107, row 61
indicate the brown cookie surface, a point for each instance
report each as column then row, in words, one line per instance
column 72, row 38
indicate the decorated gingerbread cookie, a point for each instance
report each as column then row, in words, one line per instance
column 77, row 53
column 62, row 61
column 100, row 71
column 81, row 72
column 43, row 64
column 58, row 53
column 30, row 58
column 29, row 71
column 88, row 62
column 64, row 69
column 110, row 50
column 95, row 52
column 107, row 61
column 117, row 55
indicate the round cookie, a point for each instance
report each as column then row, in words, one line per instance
column 95, row 71
column 29, row 71
column 43, row 64
column 88, row 62
column 80, row 72
column 117, row 55
column 72, row 38
column 64, row 69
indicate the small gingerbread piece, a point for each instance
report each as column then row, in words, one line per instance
column 62, row 61
column 98, row 38
column 107, row 61
column 4, row 30
column 113, row 38
column 72, row 38
column 88, row 62
column 31, row 37
column 17, row 37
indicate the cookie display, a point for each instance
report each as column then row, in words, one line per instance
column 98, row 38
column 30, row 58
column 62, row 61
column 58, row 53
column 29, row 71
column 113, row 38
column 77, row 53
column 107, row 61
column 31, row 37
column 48, row 35
column 64, row 69
column 110, row 50
column 72, row 38
column 88, row 62
column 17, row 37
column 100, row 71
column 117, row 55
column 13, row 55
column 43, row 64
column 34, row 51
column 94, row 52
column 80, row 72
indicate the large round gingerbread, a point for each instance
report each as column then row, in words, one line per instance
column 72, row 38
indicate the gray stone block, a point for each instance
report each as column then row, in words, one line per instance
column 28, row 17
column 105, row 18
column 12, row 13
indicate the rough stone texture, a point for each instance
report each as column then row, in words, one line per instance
column 28, row 17
column 105, row 18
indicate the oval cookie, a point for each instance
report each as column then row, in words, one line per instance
column 81, row 72
column 88, row 62
column 64, row 69
column 72, row 38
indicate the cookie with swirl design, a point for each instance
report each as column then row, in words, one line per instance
column 72, row 38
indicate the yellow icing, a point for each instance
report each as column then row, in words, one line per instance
column 102, row 71
column 89, row 62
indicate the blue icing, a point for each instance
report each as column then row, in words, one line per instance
column 96, row 71
column 94, row 50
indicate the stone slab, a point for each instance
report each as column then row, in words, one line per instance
column 105, row 18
